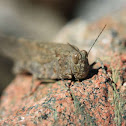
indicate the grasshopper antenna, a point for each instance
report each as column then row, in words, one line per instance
column 96, row 39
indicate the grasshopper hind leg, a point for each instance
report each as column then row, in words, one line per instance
column 31, row 90
column 32, row 84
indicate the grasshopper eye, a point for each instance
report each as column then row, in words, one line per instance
column 75, row 58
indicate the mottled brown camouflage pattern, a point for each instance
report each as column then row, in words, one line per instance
column 46, row 60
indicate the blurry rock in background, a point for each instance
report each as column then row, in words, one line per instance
column 91, row 10
column 64, row 7
column 24, row 19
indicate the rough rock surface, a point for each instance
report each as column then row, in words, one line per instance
column 99, row 99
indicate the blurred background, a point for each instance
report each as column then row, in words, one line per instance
column 43, row 19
